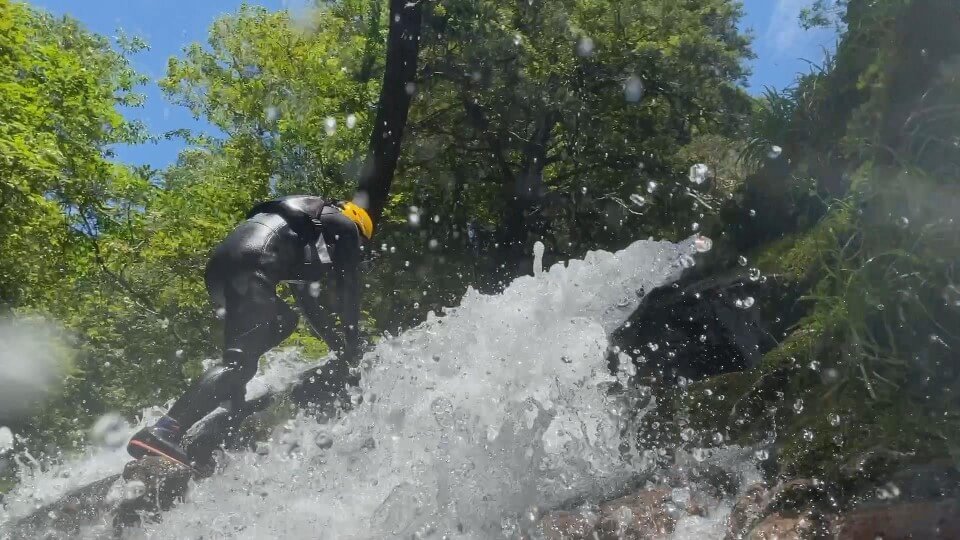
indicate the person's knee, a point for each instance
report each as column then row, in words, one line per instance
column 242, row 364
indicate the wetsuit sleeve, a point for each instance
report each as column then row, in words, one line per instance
column 319, row 316
column 349, row 288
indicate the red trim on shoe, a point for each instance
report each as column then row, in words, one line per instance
column 158, row 452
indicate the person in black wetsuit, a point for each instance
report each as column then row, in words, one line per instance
column 300, row 240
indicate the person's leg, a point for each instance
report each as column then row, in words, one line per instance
column 256, row 320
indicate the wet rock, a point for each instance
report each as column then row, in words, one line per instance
column 78, row 508
column 569, row 525
column 746, row 511
column 785, row 527
column 795, row 495
column 720, row 482
column 699, row 328
column 929, row 520
column 645, row 515
column 159, row 484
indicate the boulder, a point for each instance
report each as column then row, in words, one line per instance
column 647, row 515
column 786, row 527
column 937, row 519
column 746, row 511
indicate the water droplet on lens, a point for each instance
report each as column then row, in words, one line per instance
column 699, row 173
column 134, row 489
column 702, row 244
column 323, row 440
column 110, row 430
column 585, row 46
column 633, row 89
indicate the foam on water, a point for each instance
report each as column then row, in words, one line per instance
column 466, row 421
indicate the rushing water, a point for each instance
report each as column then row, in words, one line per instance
column 466, row 423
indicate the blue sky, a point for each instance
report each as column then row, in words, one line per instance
column 168, row 25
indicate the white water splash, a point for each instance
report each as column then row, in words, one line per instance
column 467, row 421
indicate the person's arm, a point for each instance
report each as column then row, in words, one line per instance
column 348, row 287
column 319, row 317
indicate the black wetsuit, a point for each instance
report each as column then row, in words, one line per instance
column 279, row 242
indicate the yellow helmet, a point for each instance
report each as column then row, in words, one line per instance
column 359, row 216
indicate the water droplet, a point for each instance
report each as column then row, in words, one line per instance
column 903, row 222
column 741, row 260
column 798, row 406
column 314, row 289
column 109, row 431
column 653, row 346
column 638, row 199
column 585, row 47
column 393, row 249
column 330, row 125
column 633, row 89
column 583, row 190
column 406, row 264
column 753, row 213
column 814, row 365
column 414, row 216
column 700, row 454
column 881, row 307
column 272, row 114
column 761, row 455
column 702, row 244
column 695, row 227
column 717, row 438
column 651, row 187
column 834, row 419
column 351, row 121
column 6, row 439
column 775, row 152
column 744, row 303
column 517, row 39
column 416, row 305
column 433, row 243
column 687, row 434
column 808, row 435
column 221, row 313
column 951, row 296
column 754, row 274
column 134, row 489
column 699, row 173
column 323, row 440
column 703, row 338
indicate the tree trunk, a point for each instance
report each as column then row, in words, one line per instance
column 403, row 44
column 526, row 192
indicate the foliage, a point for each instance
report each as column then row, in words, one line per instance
column 871, row 363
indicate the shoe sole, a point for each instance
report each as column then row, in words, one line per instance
column 151, row 450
